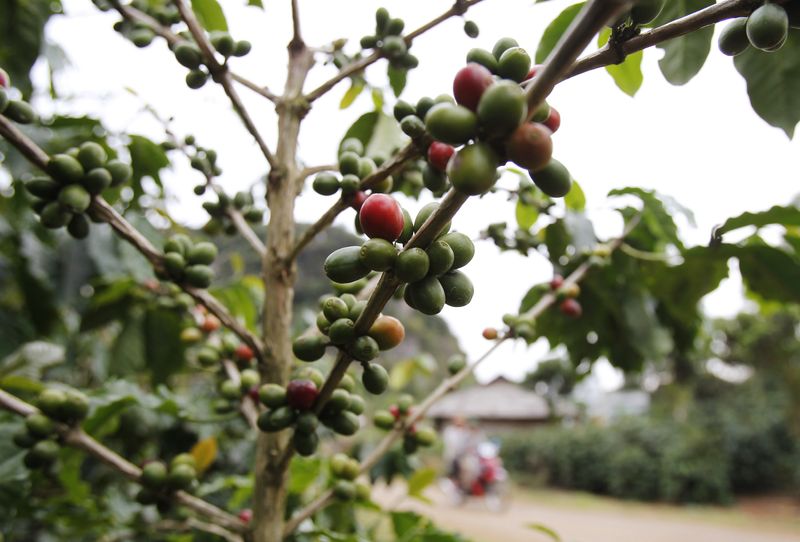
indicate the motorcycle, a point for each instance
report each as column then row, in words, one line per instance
column 479, row 475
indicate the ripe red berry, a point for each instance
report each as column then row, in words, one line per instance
column 534, row 70
column 357, row 200
column 530, row 146
column 395, row 411
column 381, row 217
column 554, row 120
column 470, row 83
column 253, row 394
column 301, row 394
column 556, row 283
column 210, row 323
column 439, row 154
column 571, row 308
column 490, row 333
column 5, row 80
column 243, row 352
column 246, row 515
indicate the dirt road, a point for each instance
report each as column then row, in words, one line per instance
column 588, row 519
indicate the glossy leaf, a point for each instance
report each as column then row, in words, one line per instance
column 210, row 14
column 204, row 453
column 628, row 74
column 22, row 27
column 397, row 79
column 575, row 198
column 773, row 82
column 684, row 56
column 526, row 215
column 356, row 86
column 785, row 216
column 555, row 30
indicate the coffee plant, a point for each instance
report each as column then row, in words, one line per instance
column 288, row 390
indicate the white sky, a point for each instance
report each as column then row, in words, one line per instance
column 701, row 143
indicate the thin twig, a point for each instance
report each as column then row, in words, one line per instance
column 459, row 8
column 313, row 170
column 297, row 39
column 221, row 75
column 77, row 438
column 447, row 385
column 102, row 210
column 679, row 27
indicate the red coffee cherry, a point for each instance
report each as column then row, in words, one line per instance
column 5, row 80
column 532, row 73
column 380, row 216
column 490, row 333
column 246, row 515
column 210, row 323
column 357, row 200
column 530, row 146
column 243, row 352
column 469, row 84
column 301, row 394
column 395, row 411
column 554, row 120
column 556, row 282
column 570, row 307
column 439, row 154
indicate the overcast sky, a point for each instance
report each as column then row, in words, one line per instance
column 700, row 143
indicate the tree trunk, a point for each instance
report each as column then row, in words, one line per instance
column 273, row 452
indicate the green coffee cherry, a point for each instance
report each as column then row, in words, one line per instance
column 305, row 443
column 272, row 395
column 412, row 265
column 375, row 379
column 357, row 405
column 462, row 246
column 196, row 79
column 427, row 295
column 188, row 55
column 339, row 400
column 44, row 453
column 230, row 390
column 78, row 227
column 65, row 169
column 54, row 216
column 471, row 29
column 20, row 112
column 342, row 331
column 378, row 254
column 514, row 64
column 453, row 124
column 502, row 108
column 425, row 436
column 403, row 109
column 326, row 184
column 344, row 265
column 345, row 423
column 356, row 310
column 309, row 348
column 181, row 476
column 91, row 155
column 249, row 378
column 201, row 253
column 440, row 258
column 76, row 405
column 154, row 475
column 43, row 187
column 425, row 213
column 51, row 402
column 458, row 289
column 364, row 348
column 383, row 419
column 412, row 126
column 120, row 172
column 733, row 38
column 344, row 490
column 39, row 425
column 307, row 422
column 74, row 198
column 96, row 180
column 456, row 363
column 484, row 58
column 199, row 276
column 502, row 45
column 335, row 308
column 242, row 48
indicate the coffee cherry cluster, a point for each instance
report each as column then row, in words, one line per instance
column 347, row 487
column 354, row 166
column 74, row 177
column 432, row 274
column 56, row 405
column 766, row 29
column 220, row 221
column 186, row 51
column 159, row 482
column 388, row 39
column 189, row 262
column 414, row 436
column 18, row 111
column 294, row 406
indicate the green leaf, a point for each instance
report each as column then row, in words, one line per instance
column 555, row 30
column 397, row 79
column 377, row 99
column 785, row 216
column 773, row 82
column 420, row 480
column 147, row 160
column 22, row 27
column 256, row 3
column 769, row 272
column 303, row 472
column 544, row 530
column 627, row 75
column 103, row 418
column 575, row 198
column 526, row 215
column 684, row 56
column 164, row 349
column 356, row 86
column 657, row 226
column 32, row 359
column 378, row 132
column 210, row 14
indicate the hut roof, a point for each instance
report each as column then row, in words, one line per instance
column 500, row 399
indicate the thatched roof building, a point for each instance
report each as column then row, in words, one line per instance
column 499, row 403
